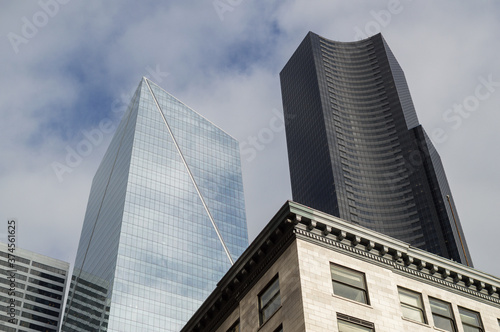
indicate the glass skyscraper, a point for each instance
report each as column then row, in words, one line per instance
column 356, row 149
column 165, row 220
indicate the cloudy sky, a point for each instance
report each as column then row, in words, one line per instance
column 68, row 68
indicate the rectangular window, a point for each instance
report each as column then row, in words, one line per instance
column 442, row 314
column 411, row 305
column 350, row 324
column 349, row 283
column 269, row 300
column 471, row 320
column 235, row 327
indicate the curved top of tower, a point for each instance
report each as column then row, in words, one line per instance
column 355, row 42
column 372, row 47
column 352, row 140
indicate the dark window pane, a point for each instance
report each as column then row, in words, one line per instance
column 443, row 323
column 269, row 301
column 349, row 292
column 271, row 308
column 471, row 321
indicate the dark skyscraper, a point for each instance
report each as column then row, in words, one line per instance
column 356, row 149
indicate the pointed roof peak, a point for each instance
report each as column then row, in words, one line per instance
column 149, row 82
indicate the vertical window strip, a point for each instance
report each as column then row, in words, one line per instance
column 349, row 283
column 411, row 305
column 442, row 314
column 269, row 300
column 471, row 320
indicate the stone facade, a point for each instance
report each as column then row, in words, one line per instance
column 384, row 311
column 300, row 245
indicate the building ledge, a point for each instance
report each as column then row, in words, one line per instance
column 341, row 235
column 295, row 221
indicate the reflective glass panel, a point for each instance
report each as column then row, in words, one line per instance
column 165, row 218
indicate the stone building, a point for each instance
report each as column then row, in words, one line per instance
column 309, row 271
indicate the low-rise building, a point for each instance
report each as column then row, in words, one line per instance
column 32, row 288
column 309, row 271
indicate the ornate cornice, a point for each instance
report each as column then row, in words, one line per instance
column 295, row 221
column 247, row 270
column 340, row 235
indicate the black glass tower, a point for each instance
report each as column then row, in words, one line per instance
column 356, row 149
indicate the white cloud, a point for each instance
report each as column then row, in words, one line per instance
column 106, row 47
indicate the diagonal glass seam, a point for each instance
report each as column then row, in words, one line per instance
column 205, row 206
column 77, row 279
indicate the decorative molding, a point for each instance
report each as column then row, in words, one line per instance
column 294, row 221
column 402, row 262
column 232, row 291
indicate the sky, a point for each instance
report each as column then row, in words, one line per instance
column 68, row 69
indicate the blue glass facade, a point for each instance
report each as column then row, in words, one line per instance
column 164, row 222
column 356, row 149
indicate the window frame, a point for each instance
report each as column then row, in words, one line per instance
column 234, row 326
column 279, row 328
column 262, row 307
column 354, row 272
column 354, row 322
column 403, row 305
column 451, row 318
column 480, row 327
